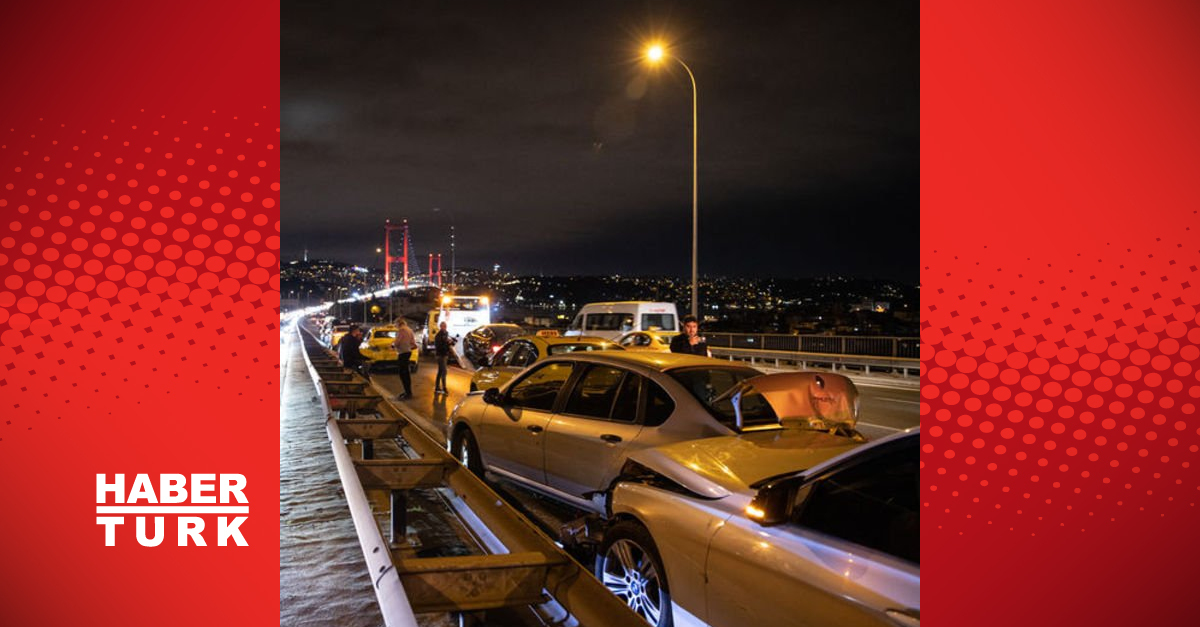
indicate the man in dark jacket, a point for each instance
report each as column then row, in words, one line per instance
column 348, row 350
column 690, row 341
column 441, row 347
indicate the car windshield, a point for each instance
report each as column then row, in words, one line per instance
column 558, row 349
column 707, row 384
column 379, row 335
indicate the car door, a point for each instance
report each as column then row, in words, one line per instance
column 586, row 442
column 512, row 434
column 847, row 556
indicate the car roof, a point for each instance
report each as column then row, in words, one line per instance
column 629, row 302
column 575, row 339
column 661, row 362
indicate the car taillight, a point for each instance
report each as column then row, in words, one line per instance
column 495, row 348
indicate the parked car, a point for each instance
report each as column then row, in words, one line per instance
column 335, row 334
column 659, row 341
column 377, row 346
column 483, row 342
column 768, row 528
column 610, row 320
column 566, row 425
column 522, row 352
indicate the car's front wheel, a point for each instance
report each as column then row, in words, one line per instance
column 628, row 564
column 465, row 450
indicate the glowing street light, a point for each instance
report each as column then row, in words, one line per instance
column 655, row 53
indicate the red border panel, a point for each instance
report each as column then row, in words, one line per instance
column 139, row 197
column 1060, row 293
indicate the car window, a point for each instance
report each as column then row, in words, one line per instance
column 576, row 324
column 873, row 504
column 524, row 356
column 658, row 322
column 506, row 355
column 755, row 410
column 625, row 408
column 540, row 389
column 603, row 322
column 631, row 340
column 595, row 392
column 658, row 404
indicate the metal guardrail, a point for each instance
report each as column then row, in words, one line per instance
column 804, row 361
column 523, row 568
column 895, row 347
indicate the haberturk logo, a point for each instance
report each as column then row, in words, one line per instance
column 199, row 505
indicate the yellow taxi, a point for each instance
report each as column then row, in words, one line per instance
column 335, row 334
column 650, row 341
column 521, row 352
column 377, row 346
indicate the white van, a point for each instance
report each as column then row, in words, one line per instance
column 462, row 314
column 611, row 320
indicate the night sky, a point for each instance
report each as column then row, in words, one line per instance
column 537, row 131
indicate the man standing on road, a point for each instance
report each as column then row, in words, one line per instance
column 404, row 344
column 348, row 351
column 441, row 347
column 690, row 341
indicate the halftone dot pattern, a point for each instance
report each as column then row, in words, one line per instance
column 121, row 258
column 1058, row 398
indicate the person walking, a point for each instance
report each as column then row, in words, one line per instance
column 441, row 348
column 690, row 341
column 404, row 344
column 348, row 352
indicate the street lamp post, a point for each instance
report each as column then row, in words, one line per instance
column 654, row 54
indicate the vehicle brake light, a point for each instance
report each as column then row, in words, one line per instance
column 495, row 348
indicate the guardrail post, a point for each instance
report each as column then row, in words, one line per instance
column 399, row 516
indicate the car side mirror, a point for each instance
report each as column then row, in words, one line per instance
column 770, row 505
column 492, row 396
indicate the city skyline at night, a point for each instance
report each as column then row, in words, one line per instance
column 552, row 149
